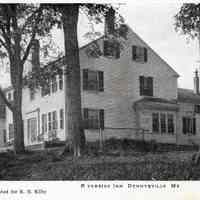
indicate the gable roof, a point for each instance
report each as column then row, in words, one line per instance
column 188, row 96
column 139, row 38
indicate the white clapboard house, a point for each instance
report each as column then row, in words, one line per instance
column 129, row 93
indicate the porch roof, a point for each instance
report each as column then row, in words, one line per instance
column 188, row 96
column 154, row 103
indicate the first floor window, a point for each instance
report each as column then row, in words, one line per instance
column 44, row 123
column 170, row 119
column 11, row 131
column 32, row 129
column 54, row 122
column 93, row 118
column 61, row 119
column 49, row 122
column 155, row 122
column 189, row 125
column 163, row 123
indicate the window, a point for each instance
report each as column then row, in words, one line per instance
column 139, row 54
column 93, row 80
column 146, row 86
column 54, row 122
column 2, row 111
column 45, row 89
column 189, row 125
column 197, row 108
column 49, row 122
column 9, row 96
column 10, row 131
column 155, row 122
column 93, row 118
column 4, row 136
column 111, row 49
column 32, row 94
column 61, row 119
column 163, row 122
column 54, row 84
column 44, row 123
column 61, row 81
column 170, row 123
column 32, row 130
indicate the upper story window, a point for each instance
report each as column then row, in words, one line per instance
column 45, row 90
column 111, row 49
column 54, row 85
column 146, row 86
column 61, row 81
column 197, row 108
column 139, row 54
column 9, row 96
column 189, row 125
column 2, row 111
column 93, row 118
column 32, row 94
column 93, row 80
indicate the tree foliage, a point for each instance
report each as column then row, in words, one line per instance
column 187, row 20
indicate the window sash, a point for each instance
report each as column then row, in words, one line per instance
column 93, row 80
column 189, row 125
column 54, row 85
column 139, row 54
column 44, row 123
column 61, row 118
column 93, row 118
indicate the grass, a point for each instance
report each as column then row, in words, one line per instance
column 118, row 163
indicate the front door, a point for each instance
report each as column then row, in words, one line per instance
column 32, row 130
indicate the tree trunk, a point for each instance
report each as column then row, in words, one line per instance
column 73, row 112
column 17, row 119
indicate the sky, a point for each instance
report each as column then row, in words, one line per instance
column 153, row 21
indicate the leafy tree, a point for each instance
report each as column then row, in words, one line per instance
column 69, row 18
column 20, row 24
column 187, row 20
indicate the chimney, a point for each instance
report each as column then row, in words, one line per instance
column 109, row 21
column 35, row 60
column 196, row 82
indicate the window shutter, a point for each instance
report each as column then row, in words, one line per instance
column 85, row 79
column 101, row 118
column 145, row 55
column 184, row 125
column 194, row 126
column 150, row 86
column 141, row 85
column 101, row 80
column 105, row 47
column 134, row 52
column 85, row 118
column 117, row 50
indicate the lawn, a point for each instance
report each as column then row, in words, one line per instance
column 113, row 165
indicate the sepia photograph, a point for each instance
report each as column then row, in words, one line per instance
column 100, row 91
